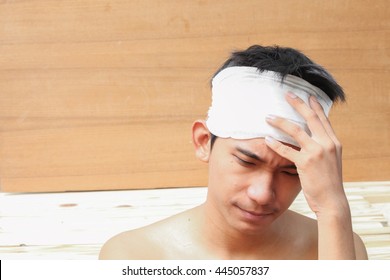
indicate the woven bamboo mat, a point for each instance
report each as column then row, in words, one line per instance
column 75, row 225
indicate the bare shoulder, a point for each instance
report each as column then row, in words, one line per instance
column 310, row 228
column 303, row 223
column 134, row 244
column 301, row 234
column 156, row 241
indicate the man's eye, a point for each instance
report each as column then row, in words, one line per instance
column 244, row 162
column 290, row 173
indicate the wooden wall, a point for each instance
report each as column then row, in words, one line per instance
column 101, row 94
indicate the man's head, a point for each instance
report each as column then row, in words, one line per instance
column 285, row 61
column 249, row 184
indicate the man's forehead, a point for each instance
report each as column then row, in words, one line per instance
column 254, row 144
column 257, row 147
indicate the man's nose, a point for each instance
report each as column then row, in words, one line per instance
column 261, row 189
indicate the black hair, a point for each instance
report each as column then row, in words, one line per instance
column 286, row 61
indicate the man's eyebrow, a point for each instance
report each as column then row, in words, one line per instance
column 289, row 166
column 249, row 154
column 256, row 157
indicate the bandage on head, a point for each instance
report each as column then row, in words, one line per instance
column 243, row 96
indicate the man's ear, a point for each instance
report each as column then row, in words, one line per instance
column 201, row 140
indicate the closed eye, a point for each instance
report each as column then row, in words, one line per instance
column 244, row 162
column 290, row 173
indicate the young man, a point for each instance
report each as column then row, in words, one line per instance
column 267, row 137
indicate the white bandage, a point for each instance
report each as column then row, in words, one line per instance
column 242, row 97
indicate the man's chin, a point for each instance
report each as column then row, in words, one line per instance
column 252, row 223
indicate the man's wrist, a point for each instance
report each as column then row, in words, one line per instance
column 335, row 233
column 339, row 211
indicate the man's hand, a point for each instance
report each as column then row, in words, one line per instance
column 319, row 160
column 319, row 166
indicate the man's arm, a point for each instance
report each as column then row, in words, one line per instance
column 320, row 172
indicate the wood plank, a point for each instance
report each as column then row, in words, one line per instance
column 34, row 96
column 113, row 157
column 360, row 168
column 74, row 225
column 199, row 52
column 112, row 20
column 69, row 70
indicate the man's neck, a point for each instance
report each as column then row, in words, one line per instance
column 229, row 243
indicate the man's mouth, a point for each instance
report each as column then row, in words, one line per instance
column 254, row 214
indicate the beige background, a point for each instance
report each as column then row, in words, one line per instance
column 102, row 94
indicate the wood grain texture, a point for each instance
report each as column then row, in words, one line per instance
column 74, row 225
column 102, row 94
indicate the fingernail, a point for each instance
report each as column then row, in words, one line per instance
column 292, row 95
column 270, row 117
column 313, row 98
column 269, row 139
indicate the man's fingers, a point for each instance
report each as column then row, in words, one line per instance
column 324, row 119
column 312, row 119
column 293, row 130
column 282, row 150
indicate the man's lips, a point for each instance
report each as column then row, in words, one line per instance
column 256, row 213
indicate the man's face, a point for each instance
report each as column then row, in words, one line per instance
column 249, row 184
